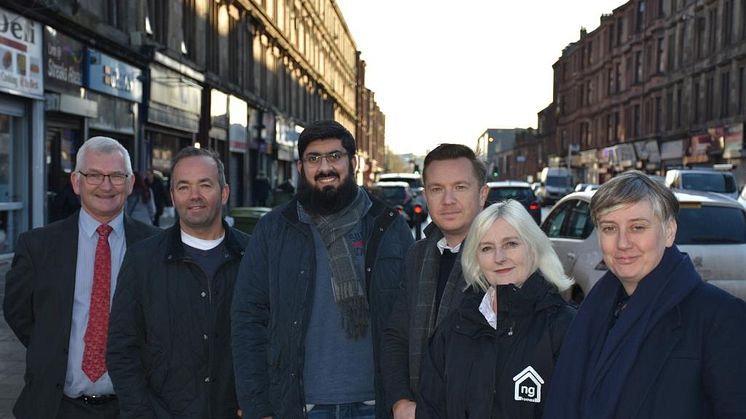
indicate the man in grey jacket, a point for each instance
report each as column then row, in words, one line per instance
column 318, row 279
column 455, row 190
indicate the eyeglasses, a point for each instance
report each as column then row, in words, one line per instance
column 315, row 159
column 116, row 179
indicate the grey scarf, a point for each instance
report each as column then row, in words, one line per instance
column 347, row 277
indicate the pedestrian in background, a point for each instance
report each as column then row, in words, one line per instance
column 160, row 196
column 455, row 191
column 318, row 279
column 261, row 190
column 169, row 338
column 140, row 204
column 58, row 290
column 651, row 339
column 494, row 356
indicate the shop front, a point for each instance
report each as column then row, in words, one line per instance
column 672, row 154
column 173, row 111
column 21, row 128
column 66, row 119
column 116, row 87
column 238, row 117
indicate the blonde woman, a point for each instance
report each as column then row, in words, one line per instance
column 493, row 357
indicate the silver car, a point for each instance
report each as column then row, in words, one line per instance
column 711, row 229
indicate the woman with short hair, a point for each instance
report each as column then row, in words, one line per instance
column 651, row 339
column 494, row 355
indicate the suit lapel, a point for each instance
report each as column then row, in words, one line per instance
column 65, row 257
column 452, row 294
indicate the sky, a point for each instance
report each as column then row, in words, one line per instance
column 445, row 71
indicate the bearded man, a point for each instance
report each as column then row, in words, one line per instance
column 318, row 280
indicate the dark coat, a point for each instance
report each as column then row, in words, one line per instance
column 38, row 306
column 693, row 362
column 413, row 320
column 272, row 301
column 169, row 334
column 474, row 371
column 685, row 343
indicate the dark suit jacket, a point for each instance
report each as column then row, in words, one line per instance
column 39, row 292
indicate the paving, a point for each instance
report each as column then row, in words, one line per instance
column 12, row 357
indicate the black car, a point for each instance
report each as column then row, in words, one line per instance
column 519, row 191
column 399, row 195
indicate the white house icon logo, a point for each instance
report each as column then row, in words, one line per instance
column 528, row 385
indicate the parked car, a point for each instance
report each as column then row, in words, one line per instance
column 520, row 191
column 705, row 180
column 413, row 179
column 400, row 196
column 711, row 229
column 742, row 196
column 586, row 187
column 415, row 184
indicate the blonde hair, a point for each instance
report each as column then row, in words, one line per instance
column 543, row 257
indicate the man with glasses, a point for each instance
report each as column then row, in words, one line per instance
column 59, row 288
column 318, row 278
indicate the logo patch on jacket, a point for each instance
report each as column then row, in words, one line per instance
column 528, row 385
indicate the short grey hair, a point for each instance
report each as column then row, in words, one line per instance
column 630, row 188
column 102, row 145
column 542, row 254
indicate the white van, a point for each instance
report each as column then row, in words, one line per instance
column 556, row 182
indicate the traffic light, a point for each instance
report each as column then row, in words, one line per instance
column 495, row 171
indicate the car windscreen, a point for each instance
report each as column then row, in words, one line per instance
column 710, row 225
column 559, row 181
column 519, row 194
column 392, row 194
column 710, row 182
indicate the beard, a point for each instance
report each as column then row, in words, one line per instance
column 327, row 200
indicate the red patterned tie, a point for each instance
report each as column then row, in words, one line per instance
column 94, row 355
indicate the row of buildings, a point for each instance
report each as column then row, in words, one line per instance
column 659, row 84
column 239, row 76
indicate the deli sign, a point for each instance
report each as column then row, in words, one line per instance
column 21, row 55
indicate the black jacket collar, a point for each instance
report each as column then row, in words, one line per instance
column 175, row 247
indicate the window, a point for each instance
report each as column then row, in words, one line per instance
column 640, row 16
column 739, row 101
column 679, row 94
column 710, row 225
column 671, row 53
column 636, row 121
column 709, row 97
column 725, row 94
column 189, row 28
column 157, row 21
column 571, row 220
column 712, row 32
column 695, row 100
column 617, row 77
column 610, row 81
column 659, row 56
column 669, row 110
column 658, row 114
column 699, row 37
column 727, row 25
column 638, row 66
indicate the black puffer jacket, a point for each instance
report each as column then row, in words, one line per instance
column 474, row 371
column 169, row 349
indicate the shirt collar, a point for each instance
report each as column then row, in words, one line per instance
column 486, row 308
column 88, row 224
column 443, row 245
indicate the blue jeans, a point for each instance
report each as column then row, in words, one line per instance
column 357, row 410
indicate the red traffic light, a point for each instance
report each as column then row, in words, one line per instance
column 418, row 209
